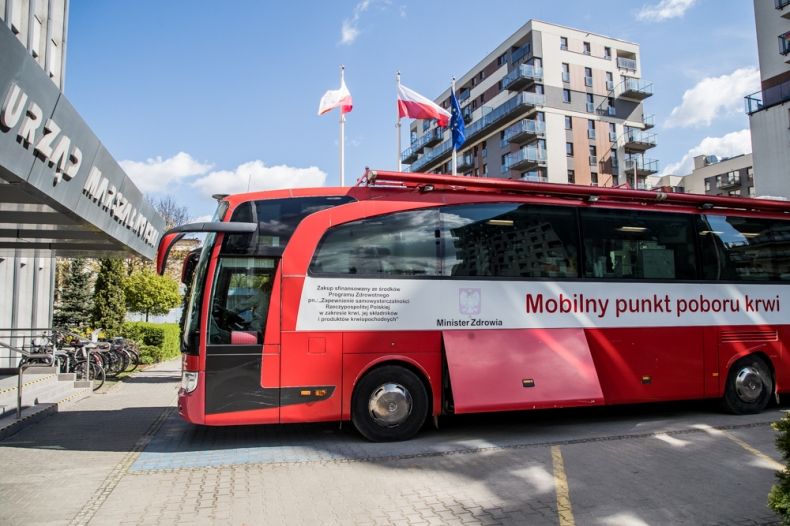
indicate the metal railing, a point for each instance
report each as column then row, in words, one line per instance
column 24, row 364
column 768, row 97
column 626, row 63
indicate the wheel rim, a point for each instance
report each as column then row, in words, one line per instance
column 750, row 384
column 390, row 405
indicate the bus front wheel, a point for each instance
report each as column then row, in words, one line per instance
column 390, row 403
column 749, row 386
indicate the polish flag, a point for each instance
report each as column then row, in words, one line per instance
column 413, row 105
column 334, row 98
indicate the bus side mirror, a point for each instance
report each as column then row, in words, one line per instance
column 165, row 244
column 188, row 267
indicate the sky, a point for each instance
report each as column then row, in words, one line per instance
column 200, row 97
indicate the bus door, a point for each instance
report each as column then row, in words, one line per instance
column 242, row 367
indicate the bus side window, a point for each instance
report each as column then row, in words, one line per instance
column 240, row 300
column 637, row 245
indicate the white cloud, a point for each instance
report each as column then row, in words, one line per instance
column 713, row 97
column 259, row 177
column 154, row 175
column 732, row 144
column 664, row 10
column 350, row 29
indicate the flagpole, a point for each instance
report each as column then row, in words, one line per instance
column 397, row 122
column 455, row 154
column 342, row 134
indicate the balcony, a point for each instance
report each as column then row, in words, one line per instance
column 432, row 155
column 768, row 97
column 729, row 181
column 527, row 158
column 784, row 44
column 637, row 141
column 781, row 5
column 429, row 138
column 465, row 161
column 520, row 53
column 511, row 108
column 525, row 130
column 626, row 63
column 521, row 77
column 635, row 89
column 642, row 167
column 648, row 121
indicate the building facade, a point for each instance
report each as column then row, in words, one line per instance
column 769, row 108
column 28, row 278
column 62, row 194
column 552, row 104
column 733, row 176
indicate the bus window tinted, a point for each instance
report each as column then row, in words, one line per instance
column 637, row 245
column 400, row 244
column 746, row 248
column 277, row 219
column 509, row 240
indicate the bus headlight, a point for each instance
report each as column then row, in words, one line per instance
column 189, row 381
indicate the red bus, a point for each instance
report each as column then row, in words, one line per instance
column 416, row 295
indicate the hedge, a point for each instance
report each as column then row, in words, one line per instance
column 779, row 498
column 157, row 341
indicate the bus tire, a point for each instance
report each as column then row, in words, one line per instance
column 390, row 403
column 749, row 386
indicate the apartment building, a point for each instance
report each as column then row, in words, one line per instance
column 550, row 103
column 733, row 176
column 769, row 108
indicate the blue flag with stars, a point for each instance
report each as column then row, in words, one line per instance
column 456, row 122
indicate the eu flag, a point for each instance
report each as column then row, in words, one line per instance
column 456, row 122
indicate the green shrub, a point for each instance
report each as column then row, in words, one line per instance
column 158, row 341
column 779, row 498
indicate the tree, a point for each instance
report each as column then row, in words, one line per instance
column 75, row 299
column 148, row 293
column 109, row 310
column 173, row 213
column 779, row 497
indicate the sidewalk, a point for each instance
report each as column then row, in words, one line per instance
column 60, row 470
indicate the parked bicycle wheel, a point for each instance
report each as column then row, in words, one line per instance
column 97, row 373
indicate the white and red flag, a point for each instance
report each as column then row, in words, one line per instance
column 335, row 98
column 413, row 105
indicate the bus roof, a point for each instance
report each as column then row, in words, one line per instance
column 373, row 182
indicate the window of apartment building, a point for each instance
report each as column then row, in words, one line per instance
column 588, row 76
column 594, row 178
column 540, row 116
column 612, row 132
column 539, row 89
column 590, row 129
column 611, row 109
column 568, row 122
column 566, row 72
column 590, row 103
column 541, row 144
column 481, row 76
column 569, row 149
column 593, row 156
column 707, row 185
column 607, row 53
column 485, row 170
column 484, row 149
column 586, row 48
column 752, row 193
column 426, row 124
column 501, row 135
column 571, row 177
column 566, row 95
column 563, row 42
column 501, row 59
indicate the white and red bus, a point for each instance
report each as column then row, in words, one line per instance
column 414, row 295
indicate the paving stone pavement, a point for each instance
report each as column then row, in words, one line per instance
column 125, row 457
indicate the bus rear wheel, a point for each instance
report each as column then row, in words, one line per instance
column 390, row 403
column 749, row 386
